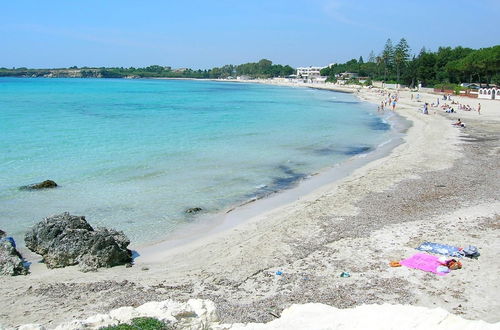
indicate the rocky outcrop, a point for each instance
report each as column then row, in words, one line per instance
column 41, row 185
column 65, row 240
column 11, row 261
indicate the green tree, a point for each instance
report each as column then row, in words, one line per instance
column 371, row 57
column 388, row 57
column 401, row 56
column 426, row 68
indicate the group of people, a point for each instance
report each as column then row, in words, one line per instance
column 450, row 109
column 390, row 100
column 469, row 108
column 466, row 107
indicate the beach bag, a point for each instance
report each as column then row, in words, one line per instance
column 471, row 252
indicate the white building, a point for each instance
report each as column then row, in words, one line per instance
column 489, row 93
column 310, row 72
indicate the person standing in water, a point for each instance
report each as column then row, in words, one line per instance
column 479, row 108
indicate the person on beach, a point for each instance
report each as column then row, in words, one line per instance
column 459, row 123
column 382, row 106
column 479, row 108
column 393, row 105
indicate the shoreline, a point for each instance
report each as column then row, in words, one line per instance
column 379, row 213
column 237, row 214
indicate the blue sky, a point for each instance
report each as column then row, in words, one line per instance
column 204, row 34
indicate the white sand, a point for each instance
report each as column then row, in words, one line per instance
column 201, row 314
column 373, row 317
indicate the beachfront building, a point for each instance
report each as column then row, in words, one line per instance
column 311, row 72
column 489, row 93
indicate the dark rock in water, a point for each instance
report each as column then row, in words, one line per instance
column 355, row 150
column 325, row 151
column 11, row 261
column 65, row 240
column 42, row 185
column 194, row 210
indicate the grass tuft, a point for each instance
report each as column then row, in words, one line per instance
column 141, row 323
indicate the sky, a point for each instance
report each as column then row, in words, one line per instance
column 202, row 34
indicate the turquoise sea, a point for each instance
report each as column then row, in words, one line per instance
column 135, row 154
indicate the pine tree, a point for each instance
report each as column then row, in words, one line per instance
column 388, row 57
column 371, row 57
column 401, row 56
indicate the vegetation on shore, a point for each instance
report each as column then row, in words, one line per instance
column 395, row 64
column 262, row 69
column 141, row 323
column 447, row 65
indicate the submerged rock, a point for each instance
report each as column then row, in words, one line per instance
column 11, row 261
column 194, row 210
column 65, row 240
column 41, row 185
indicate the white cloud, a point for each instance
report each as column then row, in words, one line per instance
column 334, row 9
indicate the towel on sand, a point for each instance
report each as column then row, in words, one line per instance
column 425, row 262
column 437, row 248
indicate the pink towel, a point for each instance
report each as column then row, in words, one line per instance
column 425, row 262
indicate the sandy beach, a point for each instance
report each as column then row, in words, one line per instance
column 440, row 185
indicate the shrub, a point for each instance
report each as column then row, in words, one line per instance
column 141, row 323
column 447, row 86
column 353, row 81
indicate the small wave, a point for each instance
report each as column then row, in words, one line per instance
column 384, row 143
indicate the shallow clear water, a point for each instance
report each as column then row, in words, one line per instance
column 134, row 154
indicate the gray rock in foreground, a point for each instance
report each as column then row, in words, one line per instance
column 41, row 185
column 65, row 240
column 11, row 261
